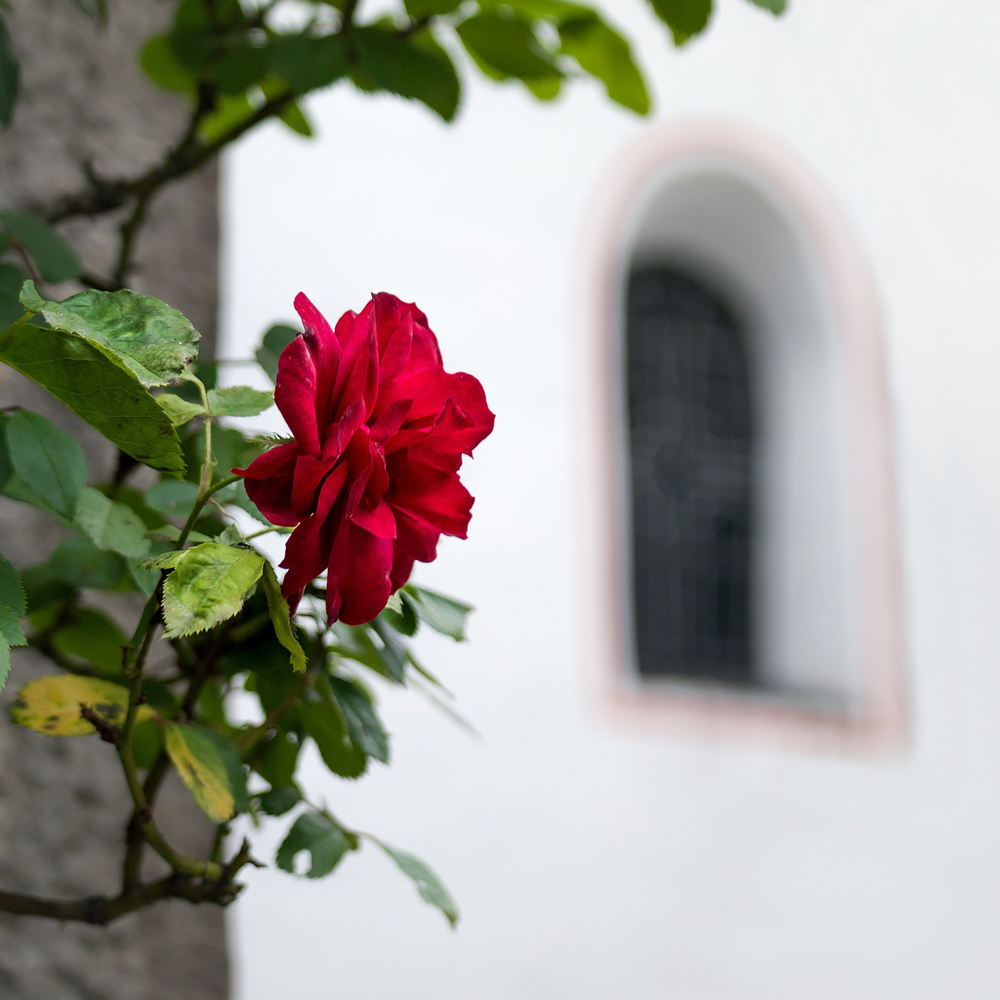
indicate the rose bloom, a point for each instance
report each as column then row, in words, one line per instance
column 370, row 481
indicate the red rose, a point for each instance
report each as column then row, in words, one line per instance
column 371, row 480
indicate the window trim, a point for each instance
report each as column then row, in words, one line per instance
column 878, row 724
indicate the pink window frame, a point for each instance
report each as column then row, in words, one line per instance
column 878, row 723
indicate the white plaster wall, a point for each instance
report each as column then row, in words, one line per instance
column 593, row 862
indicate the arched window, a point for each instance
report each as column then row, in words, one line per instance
column 740, row 511
column 690, row 435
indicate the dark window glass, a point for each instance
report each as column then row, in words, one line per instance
column 690, row 443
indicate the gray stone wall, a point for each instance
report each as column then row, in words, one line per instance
column 63, row 803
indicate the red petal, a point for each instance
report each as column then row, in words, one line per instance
column 402, row 567
column 295, row 394
column 357, row 376
column 390, row 420
column 416, row 539
column 379, row 521
column 325, row 349
column 308, row 548
column 309, row 475
column 431, row 496
column 269, row 479
column 395, row 344
column 357, row 583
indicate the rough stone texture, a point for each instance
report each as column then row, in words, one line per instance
column 63, row 803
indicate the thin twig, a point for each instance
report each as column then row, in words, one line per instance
column 102, row 910
column 29, row 264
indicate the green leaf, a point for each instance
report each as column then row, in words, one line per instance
column 10, row 76
column 46, row 460
column 230, row 112
column 428, row 884
column 51, row 705
column 355, row 643
column 685, row 18
column 110, row 525
column 179, row 411
column 295, row 118
column 554, row 11
column 171, row 533
column 208, row 585
column 161, row 65
column 276, row 763
column 202, row 768
column 545, row 88
column 506, row 45
column 325, row 723
column 4, row 661
column 363, row 725
column 55, row 259
column 240, row 66
column 233, row 762
column 135, row 500
column 151, row 338
column 77, row 562
column 275, row 341
column 231, row 535
column 325, row 842
column 418, row 9
column 414, row 66
column 774, row 6
column 281, row 618
column 236, row 496
column 147, row 742
column 307, row 62
column 11, row 628
column 391, row 653
column 11, row 590
column 93, row 638
column 278, row 801
column 172, row 498
column 11, row 279
column 238, row 401
column 13, row 607
column 603, row 53
column 443, row 614
column 400, row 615
column 96, row 386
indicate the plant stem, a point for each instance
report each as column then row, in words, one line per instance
column 134, row 662
column 102, row 910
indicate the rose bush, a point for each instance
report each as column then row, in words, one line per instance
column 370, row 481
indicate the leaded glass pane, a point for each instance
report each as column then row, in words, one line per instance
column 690, row 445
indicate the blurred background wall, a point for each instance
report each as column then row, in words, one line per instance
column 594, row 856
column 63, row 802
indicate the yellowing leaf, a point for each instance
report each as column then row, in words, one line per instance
column 202, row 768
column 51, row 705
